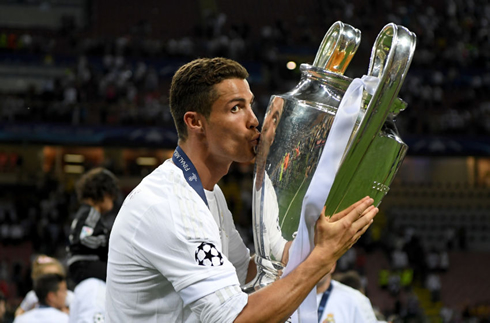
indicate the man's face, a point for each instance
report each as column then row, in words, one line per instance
column 107, row 204
column 267, row 136
column 271, row 121
column 231, row 129
column 58, row 299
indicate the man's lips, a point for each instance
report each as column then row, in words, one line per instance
column 255, row 142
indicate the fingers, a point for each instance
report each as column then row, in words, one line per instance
column 365, row 218
column 343, row 213
column 360, row 209
column 360, row 233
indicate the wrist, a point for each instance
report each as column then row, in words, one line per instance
column 322, row 261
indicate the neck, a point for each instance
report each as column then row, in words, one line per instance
column 323, row 284
column 209, row 168
column 92, row 204
column 50, row 304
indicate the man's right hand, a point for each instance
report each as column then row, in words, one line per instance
column 335, row 235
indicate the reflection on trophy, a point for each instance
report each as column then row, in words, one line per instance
column 297, row 125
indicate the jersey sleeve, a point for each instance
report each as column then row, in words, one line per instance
column 29, row 302
column 224, row 305
column 179, row 239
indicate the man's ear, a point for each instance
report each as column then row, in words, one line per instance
column 194, row 121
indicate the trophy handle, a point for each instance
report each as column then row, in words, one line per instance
column 391, row 57
column 338, row 47
column 390, row 60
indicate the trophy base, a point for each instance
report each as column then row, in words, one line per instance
column 268, row 271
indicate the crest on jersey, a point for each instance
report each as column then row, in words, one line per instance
column 207, row 255
column 99, row 318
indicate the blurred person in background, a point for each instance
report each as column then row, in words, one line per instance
column 97, row 191
column 3, row 307
column 338, row 302
column 51, row 291
column 42, row 265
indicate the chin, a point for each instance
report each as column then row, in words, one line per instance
column 246, row 159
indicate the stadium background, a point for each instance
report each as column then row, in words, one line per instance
column 85, row 83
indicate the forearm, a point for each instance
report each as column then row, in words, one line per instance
column 252, row 270
column 19, row 311
column 278, row 301
column 333, row 237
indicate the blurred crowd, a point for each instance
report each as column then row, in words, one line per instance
column 124, row 80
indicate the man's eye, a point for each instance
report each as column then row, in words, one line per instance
column 235, row 108
column 274, row 120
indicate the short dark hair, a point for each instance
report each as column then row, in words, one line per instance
column 97, row 183
column 351, row 278
column 192, row 87
column 45, row 284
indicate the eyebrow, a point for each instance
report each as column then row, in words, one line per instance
column 241, row 100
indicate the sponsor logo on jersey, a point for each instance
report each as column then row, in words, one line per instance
column 86, row 231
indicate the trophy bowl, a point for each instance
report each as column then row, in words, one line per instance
column 297, row 124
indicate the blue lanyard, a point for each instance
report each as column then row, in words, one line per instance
column 323, row 302
column 181, row 160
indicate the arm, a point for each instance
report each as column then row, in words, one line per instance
column 19, row 311
column 333, row 237
column 252, row 270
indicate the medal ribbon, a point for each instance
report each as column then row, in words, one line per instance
column 181, row 160
column 323, row 302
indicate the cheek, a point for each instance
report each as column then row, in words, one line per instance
column 110, row 205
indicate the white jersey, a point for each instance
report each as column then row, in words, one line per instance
column 88, row 306
column 42, row 315
column 168, row 251
column 30, row 301
column 346, row 304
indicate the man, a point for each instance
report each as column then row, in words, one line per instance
column 51, row 291
column 96, row 191
column 338, row 302
column 174, row 252
column 271, row 121
column 88, row 244
column 41, row 265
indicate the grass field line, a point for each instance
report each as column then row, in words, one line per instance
column 292, row 200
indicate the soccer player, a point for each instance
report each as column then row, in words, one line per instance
column 51, row 291
column 88, row 246
column 41, row 265
column 174, row 252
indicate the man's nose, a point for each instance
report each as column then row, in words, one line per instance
column 253, row 121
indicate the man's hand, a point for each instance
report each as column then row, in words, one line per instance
column 335, row 235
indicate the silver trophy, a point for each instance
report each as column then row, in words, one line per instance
column 295, row 129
